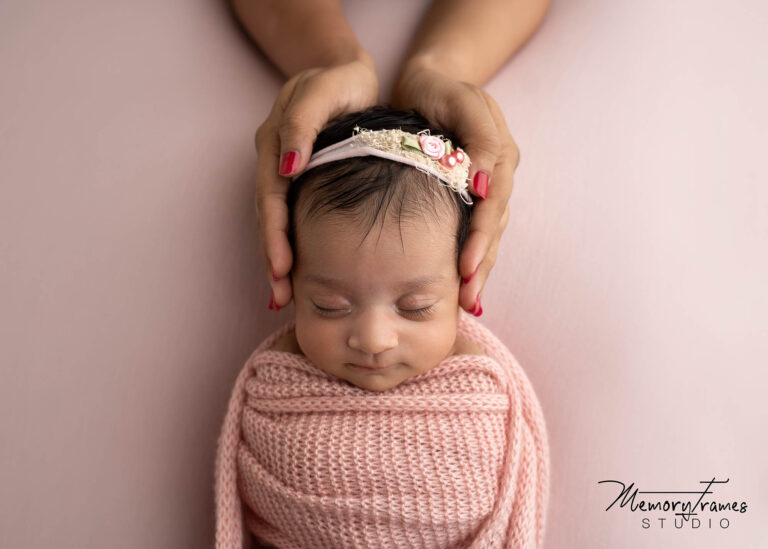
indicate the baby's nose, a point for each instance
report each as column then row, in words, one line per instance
column 373, row 333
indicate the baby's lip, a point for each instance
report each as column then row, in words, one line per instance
column 372, row 368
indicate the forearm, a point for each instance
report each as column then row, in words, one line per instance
column 300, row 34
column 471, row 41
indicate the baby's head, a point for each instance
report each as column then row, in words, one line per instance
column 376, row 246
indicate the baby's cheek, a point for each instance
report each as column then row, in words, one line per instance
column 433, row 341
column 318, row 339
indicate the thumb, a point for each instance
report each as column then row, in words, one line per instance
column 478, row 131
column 304, row 117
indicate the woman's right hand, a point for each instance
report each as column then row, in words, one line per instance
column 305, row 104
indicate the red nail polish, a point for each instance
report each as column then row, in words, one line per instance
column 473, row 310
column 465, row 280
column 480, row 311
column 481, row 184
column 275, row 278
column 289, row 162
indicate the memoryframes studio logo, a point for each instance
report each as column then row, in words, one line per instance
column 670, row 509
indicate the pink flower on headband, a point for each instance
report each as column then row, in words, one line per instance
column 432, row 146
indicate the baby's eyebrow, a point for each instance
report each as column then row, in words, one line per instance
column 406, row 286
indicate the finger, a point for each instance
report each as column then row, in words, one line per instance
column 275, row 235
column 471, row 291
column 484, row 228
column 475, row 125
column 281, row 287
column 470, row 294
column 487, row 214
column 276, row 252
column 478, row 244
column 509, row 147
column 278, row 256
column 282, row 292
column 509, row 158
column 312, row 104
column 270, row 205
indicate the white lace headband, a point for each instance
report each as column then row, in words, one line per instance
column 427, row 153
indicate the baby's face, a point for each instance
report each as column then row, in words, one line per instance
column 391, row 303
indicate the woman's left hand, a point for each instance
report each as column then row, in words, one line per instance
column 476, row 119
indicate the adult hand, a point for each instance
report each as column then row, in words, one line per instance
column 305, row 104
column 476, row 119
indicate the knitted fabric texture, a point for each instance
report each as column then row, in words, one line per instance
column 455, row 457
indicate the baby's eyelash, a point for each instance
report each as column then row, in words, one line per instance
column 420, row 313
column 324, row 311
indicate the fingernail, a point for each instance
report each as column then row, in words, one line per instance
column 289, row 162
column 480, row 310
column 275, row 278
column 273, row 306
column 481, row 184
column 473, row 310
column 465, row 280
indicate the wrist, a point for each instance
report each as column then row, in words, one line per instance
column 437, row 63
column 346, row 54
column 415, row 69
column 415, row 64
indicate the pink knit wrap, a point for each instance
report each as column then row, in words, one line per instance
column 454, row 457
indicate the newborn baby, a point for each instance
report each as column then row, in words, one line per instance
column 375, row 277
column 383, row 415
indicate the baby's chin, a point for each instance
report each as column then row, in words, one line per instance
column 376, row 382
column 379, row 381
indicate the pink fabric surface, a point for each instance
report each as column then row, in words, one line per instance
column 456, row 457
column 630, row 281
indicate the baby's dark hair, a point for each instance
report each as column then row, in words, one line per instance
column 364, row 187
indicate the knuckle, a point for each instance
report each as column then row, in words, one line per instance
column 510, row 148
column 474, row 90
column 490, row 145
column 259, row 136
column 292, row 123
column 454, row 102
column 464, row 98
column 508, row 152
column 494, row 144
column 264, row 134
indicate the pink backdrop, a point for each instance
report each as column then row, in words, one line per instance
column 631, row 282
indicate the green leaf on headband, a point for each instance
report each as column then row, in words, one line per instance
column 448, row 146
column 412, row 144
